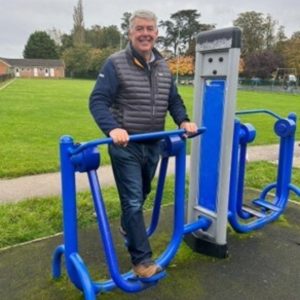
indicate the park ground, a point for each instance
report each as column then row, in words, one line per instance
column 260, row 266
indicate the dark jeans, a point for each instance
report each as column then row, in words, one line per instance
column 134, row 168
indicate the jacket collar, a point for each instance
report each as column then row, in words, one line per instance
column 138, row 59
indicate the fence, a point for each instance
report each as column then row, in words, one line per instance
column 4, row 77
column 268, row 85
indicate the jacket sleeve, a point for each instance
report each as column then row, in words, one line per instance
column 103, row 96
column 176, row 107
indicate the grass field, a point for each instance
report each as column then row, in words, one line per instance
column 35, row 113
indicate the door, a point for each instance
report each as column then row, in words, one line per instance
column 17, row 72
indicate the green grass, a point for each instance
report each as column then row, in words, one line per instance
column 40, row 217
column 261, row 173
column 36, row 218
column 281, row 104
column 35, row 113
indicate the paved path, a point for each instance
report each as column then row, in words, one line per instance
column 13, row 190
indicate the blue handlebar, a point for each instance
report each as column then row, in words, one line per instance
column 135, row 138
column 258, row 111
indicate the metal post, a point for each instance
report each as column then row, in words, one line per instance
column 69, row 205
column 216, row 80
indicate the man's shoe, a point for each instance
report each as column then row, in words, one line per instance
column 146, row 269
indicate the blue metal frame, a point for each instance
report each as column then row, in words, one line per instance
column 86, row 158
column 263, row 211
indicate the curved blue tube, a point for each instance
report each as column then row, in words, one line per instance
column 84, row 277
column 270, row 211
column 107, row 240
column 201, row 223
column 178, row 223
column 258, row 111
column 295, row 189
column 56, row 261
column 158, row 196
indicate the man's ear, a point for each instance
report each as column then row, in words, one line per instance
column 129, row 34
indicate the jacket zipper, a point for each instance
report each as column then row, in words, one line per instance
column 152, row 93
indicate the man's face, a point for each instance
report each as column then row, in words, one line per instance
column 143, row 35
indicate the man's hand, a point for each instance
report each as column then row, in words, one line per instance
column 190, row 128
column 119, row 136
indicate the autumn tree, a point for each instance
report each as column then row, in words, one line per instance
column 181, row 65
column 291, row 52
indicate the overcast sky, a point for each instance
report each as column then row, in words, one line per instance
column 20, row 18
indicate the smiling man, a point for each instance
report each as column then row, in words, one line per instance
column 133, row 93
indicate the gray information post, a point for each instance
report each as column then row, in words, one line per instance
column 216, row 79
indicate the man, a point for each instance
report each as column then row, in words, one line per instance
column 133, row 93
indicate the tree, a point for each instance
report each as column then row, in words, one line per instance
column 183, row 65
column 269, row 32
column 125, row 25
column 97, row 59
column 181, row 30
column 280, row 36
column 84, row 61
column 77, row 60
column 295, row 35
column 55, row 35
column 40, row 45
column 291, row 52
column 262, row 64
column 78, row 27
column 280, row 40
column 252, row 25
column 66, row 42
column 170, row 40
column 103, row 37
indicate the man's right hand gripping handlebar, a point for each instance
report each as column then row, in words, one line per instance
column 119, row 136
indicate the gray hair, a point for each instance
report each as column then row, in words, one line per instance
column 142, row 14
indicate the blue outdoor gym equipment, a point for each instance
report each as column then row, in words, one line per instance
column 86, row 158
column 245, row 218
column 217, row 172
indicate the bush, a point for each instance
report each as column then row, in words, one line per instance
column 5, row 77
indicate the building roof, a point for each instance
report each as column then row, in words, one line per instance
column 26, row 62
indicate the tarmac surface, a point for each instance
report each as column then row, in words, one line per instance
column 43, row 185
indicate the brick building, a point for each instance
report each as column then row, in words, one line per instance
column 41, row 68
